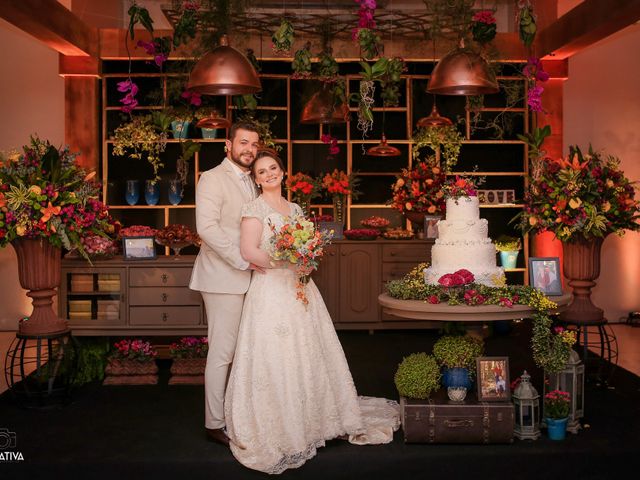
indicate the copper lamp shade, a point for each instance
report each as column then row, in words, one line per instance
column 383, row 150
column 224, row 71
column 462, row 72
column 434, row 119
column 213, row 122
column 321, row 108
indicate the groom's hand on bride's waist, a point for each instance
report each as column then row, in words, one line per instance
column 257, row 268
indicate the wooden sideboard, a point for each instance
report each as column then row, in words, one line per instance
column 152, row 297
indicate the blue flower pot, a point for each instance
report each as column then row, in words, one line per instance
column 509, row 259
column 556, row 428
column 209, row 132
column 180, row 129
column 456, row 377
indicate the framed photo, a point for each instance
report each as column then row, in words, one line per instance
column 544, row 274
column 138, row 248
column 493, row 379
column 431, row 226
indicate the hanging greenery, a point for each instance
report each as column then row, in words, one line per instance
column 282, row 38
column 447, row 139
column 301, row 64
column 390, row 81
column 141, row 138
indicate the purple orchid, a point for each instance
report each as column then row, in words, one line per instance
column 534, row 98
column 194, row 98
column 129, row 100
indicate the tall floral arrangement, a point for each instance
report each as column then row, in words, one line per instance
column 45, row 194
column 303, row 188
column 340, row 184
column 419, row 189
column 582, row 195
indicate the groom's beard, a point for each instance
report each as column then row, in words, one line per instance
column 242, row 159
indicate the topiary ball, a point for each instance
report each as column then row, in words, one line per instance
column 418, row 375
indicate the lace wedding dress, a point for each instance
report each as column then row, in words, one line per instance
column 290, row 388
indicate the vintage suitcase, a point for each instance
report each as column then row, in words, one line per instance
column 439, row 420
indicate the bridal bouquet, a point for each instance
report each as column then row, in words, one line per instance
column 301, row 244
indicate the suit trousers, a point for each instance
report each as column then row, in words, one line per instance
column 224, row 311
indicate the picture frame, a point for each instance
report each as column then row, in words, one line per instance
column 431, row 226
column 493, row 379
column 544, row 274
column 138, row 248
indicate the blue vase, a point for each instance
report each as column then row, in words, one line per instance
column 151, row 192
column 180, row 129
column 556, row 428
column 132, row 193
column 456, row 377
column 175, row 192
column 209, row 132
column 509, row 259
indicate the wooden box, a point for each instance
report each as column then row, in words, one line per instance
column 82, row 282
column 108, row 282
column 79, row 306
column 439, row 420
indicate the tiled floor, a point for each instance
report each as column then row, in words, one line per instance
column 628, row 349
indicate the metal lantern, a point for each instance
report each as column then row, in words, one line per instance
column 527, row 402
column 570, row 379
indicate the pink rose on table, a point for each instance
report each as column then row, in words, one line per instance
column 433, row 299
column 458, row 278
column 466, row 275
column 447, row 280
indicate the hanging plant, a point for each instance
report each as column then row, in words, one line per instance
column 526, row 20
column 390, row 81
column 282, row 39
column 369, row 42
column 327, row 68
column 140, row 138
column 301, row 64
column 483, row 26
column 448, row 139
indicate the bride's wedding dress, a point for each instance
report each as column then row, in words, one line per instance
column 290, row 387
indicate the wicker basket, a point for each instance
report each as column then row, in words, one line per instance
column 187, row 371
column 130, row 372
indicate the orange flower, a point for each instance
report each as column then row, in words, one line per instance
column 48, row 212
column 3, row 201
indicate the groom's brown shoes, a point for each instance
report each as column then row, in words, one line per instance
column 217, row 435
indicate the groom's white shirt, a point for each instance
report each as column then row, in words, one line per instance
column 219, row 267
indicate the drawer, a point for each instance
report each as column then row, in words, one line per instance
column 406, row 253
column 157, row 277
column 165, row 315
column 396, row 270
column 163, row 296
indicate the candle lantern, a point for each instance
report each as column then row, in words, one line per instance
column 527, row 403
column 570, row 379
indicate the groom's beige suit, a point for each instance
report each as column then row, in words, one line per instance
column 221, row 275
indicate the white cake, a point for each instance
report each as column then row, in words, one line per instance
column 463, row 243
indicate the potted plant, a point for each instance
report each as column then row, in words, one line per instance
column 457, row 354
column 47, row 202
column 556, row 413
column 581, row 199
column 182, row 117
column 189, row 356
column 418, row 192
column 131, row 362
column 418, row 376
column 508, row 247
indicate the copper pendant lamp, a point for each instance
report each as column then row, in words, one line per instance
column 213, row 122
column 462, row 72
column 434, row 119
column 383, row 149
column 322, row 108
column 224, row 71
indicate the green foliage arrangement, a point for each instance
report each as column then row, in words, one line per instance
column 505, row 243
column 448, row 139
column 91, row 359
column 418, row 376
column 140, row 139
column 458, row 351
column 551, row 346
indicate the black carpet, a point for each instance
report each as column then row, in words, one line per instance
column 157, row 431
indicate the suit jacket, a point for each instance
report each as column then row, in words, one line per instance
column 219, row 267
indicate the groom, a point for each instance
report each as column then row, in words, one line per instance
column 220, row 273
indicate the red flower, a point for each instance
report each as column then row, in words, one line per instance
column 433, row 299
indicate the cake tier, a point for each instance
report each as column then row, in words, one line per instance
column 463, row 208
column 492, row 277
column 452, row 256
column 461, row 230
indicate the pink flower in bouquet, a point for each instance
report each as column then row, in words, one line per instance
column 506, row 302
column 433, row 299
column 446, row 280
column 466, row 275
column 473, row 297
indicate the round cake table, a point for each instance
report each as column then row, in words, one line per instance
column 423, row 310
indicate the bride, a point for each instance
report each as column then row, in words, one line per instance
column 290, row 388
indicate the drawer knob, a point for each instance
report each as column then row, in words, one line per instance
column 164, row 278
column 393, row 254
column 164, row 297
column 165, row 317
